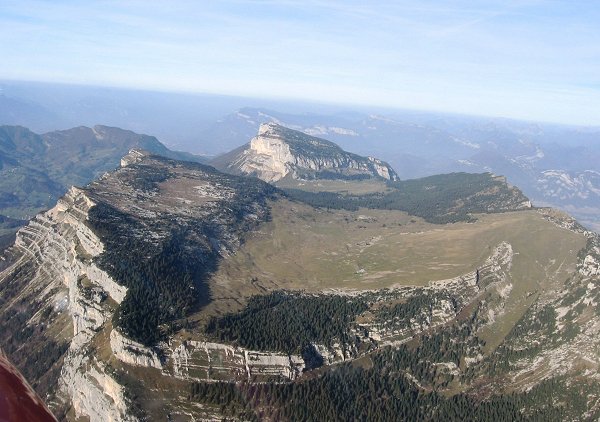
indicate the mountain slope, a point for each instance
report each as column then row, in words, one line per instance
column 446, row 198
column 37, row 169
column 131, row 251
column 277, row 152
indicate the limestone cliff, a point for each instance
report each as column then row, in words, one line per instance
column 65, row 292
column 277, row 152
column 106, row 300
column 61, row 286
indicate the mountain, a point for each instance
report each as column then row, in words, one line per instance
column 182, row 121
column 415, row 143
column 168, row 290
column 419, row 144
column 35, row 170
column 174, row 118
column 277, row 152
column 122, row 257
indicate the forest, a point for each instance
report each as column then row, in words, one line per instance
column 437, row 199
column 401, row 383
column 418, row 307
column 166, row 278
column 379, row 391
column 289, row 322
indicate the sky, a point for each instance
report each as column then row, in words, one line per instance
column 534, row 60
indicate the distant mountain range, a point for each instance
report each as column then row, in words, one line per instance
column 553, row 164
column 177, row 119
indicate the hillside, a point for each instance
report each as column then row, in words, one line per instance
column 277, row 152
column 445, row 198
column 35, row 170
column 132, row 251
column 166, row 289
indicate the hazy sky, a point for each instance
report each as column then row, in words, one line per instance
column 526, row 59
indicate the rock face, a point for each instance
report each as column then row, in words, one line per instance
column 132, row 352
column 56, row 251
column 208, row 361
column 278, row 151
column 58, row 300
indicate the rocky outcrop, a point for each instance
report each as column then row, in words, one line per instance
column 60, row 247
column 277, row 152
column 58, row 279
column 93, row 392
column 134, row 156
column 132, row 352
column 207, row 361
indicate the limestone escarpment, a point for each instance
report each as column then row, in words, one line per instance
column 108, row 274
column 62, row 283
column 278, row 151
column 63, row 291
column 132, row 352
column 208, row 361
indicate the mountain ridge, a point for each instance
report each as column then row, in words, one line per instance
column 424, row 144
column 35, row 170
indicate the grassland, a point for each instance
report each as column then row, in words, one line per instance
column 545, row 256
column 303, row 248
column 354, row 187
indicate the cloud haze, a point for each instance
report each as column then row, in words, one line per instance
column 526, row 59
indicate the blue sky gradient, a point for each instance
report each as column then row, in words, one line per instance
column 536, row 60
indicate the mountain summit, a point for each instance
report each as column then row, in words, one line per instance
column 277, row 152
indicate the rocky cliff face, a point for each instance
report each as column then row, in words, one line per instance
column 278, row 151
column 208, row 361
column 59, row 297
column 72, row 299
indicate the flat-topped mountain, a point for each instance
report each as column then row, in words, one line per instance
column 166, row 289
column 277, row 152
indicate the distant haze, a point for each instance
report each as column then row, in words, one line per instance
column 536, row 60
